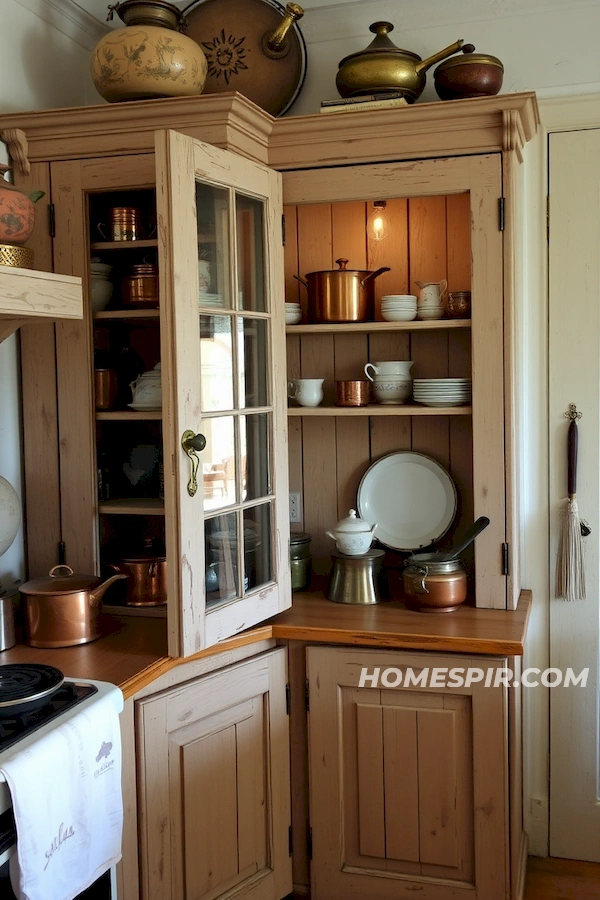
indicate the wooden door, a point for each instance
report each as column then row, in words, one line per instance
column 442, row 224
column 223, row 347
column 574, row 333
column 214, row 786
column 408, row 786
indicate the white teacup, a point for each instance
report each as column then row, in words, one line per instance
column 307, row 391
column 391, row 390
column 389, row 368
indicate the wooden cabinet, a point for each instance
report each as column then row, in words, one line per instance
column 214, row 785
column 27, row 295
column 408, row 785
column 130, row 483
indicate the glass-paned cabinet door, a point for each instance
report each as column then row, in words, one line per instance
column 224, row 391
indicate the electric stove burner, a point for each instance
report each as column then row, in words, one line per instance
column 69, row 694
column 26, row 682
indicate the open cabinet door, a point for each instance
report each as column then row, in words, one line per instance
column 224, row 391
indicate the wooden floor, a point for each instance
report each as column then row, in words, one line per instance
column 562, row 879
column 554, row 879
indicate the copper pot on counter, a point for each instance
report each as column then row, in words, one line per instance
column 340, row 295
column 63, row 608
column 146, row 575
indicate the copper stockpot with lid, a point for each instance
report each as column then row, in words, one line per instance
column 340, row 295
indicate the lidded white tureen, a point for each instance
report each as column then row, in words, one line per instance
column 352, row 535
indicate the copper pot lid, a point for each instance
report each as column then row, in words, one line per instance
column 143, row 269
column 341, row 270
column 64, row 582
column 469, row 57
column 381, row 43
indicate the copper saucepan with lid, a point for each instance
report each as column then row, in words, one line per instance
column 340, row 295
column 63, row 608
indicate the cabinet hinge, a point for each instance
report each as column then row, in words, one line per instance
column 309, row 842
column 548, row 219
column 288, row 698
column 505, row 559
column 501, row 213
column 306, row 695
column 283, row 230
column 51, row 220
column 290, row 845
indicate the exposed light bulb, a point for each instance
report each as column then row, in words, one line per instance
column 377, row 224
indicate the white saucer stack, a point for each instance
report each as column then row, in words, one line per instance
column 441, row 392
column 399, row 307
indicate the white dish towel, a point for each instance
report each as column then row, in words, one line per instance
column 67, row 802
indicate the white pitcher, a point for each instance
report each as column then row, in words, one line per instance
column 431, row 293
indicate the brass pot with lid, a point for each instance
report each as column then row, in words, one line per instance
column 469, row 74
column 384, row 68
column 139, row 287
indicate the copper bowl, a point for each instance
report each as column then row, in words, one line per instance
column 468, row 75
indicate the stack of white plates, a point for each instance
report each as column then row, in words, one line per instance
column 213, row 300
column 441, row 392
column 399, row 307
column 425, row 312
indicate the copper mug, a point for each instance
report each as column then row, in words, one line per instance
column 124, row 224
column 352, row 393
column 105, row 384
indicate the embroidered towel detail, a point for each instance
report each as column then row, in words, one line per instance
column 67, row 802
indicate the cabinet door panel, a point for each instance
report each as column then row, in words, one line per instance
column 214, row 808
column 403, row 768
column 220, row 249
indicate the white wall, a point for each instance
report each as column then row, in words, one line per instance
column 40, row 67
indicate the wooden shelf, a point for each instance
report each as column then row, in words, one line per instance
column 142, row 506
column 375, row 327
column 124, row 314
column 124, row 245
column 26, row 294
column 400, row 410
column 128, row 415
column 146, row 612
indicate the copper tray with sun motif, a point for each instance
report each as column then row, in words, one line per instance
column 246, row 52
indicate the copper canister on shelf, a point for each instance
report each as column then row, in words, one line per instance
column 105, row 384
column 139, row 287
column 352, row 393
column 125, row 222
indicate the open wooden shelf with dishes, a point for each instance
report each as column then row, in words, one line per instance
column 126, row 339
column 428, row 238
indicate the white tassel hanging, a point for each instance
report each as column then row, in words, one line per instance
column 570, row 572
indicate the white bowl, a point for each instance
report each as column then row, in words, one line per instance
column 292, row 305
column 399, row 297
column 399, row 315
column 292, row 317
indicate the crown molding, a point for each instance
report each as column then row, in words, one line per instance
column 69, row 18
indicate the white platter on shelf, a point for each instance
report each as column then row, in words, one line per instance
column 410, row 498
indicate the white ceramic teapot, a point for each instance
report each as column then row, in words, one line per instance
column 146, row 390
column 353, row 536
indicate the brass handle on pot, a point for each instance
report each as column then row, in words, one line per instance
column 53, row 571
column 374, row 274
column 193, row 444
column 275, row 43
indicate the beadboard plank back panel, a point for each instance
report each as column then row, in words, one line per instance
column 427, row 239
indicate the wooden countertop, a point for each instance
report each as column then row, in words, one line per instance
column 133, row 651
column 391, row 625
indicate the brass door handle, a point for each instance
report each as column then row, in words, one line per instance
column 193, row 444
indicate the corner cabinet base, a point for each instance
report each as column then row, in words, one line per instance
column 408, row 785
column 214, row 786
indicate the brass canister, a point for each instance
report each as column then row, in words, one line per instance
column 105, row 384
column 125, row 223
column 139, row 287
column 354, row 579
column 16, row 257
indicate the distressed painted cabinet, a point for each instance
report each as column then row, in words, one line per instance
column 408, row 784
column 214, row 770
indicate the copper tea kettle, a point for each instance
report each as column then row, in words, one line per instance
column 384, row 68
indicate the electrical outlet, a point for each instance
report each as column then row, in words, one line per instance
column 295, row 507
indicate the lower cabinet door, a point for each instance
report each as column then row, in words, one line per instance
column 408, row 783
column 214, row 785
